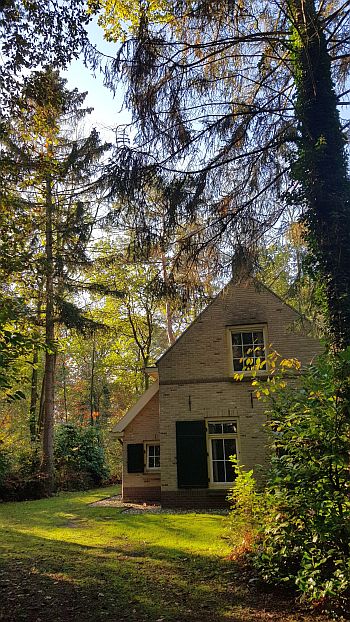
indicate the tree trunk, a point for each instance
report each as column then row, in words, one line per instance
column 34, row 398
column 321, row 167
column 47, row 464
column 64, row 371
column 41, row 408
column 33, row 419
column 168, row 312
column 92, row 382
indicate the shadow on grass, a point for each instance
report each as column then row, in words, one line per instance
column 72, row 519
column 65, row 581
column 63, row 560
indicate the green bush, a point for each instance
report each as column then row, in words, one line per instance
column 5, row 463
column 79, row 457
column 19, row 478
column 27, row 462
column 303, row 538
column 249, row 510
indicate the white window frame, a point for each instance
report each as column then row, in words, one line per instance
column 210, row 437
column 147, row 448
column 247, row 328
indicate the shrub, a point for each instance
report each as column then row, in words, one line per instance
column 79, row 457
column 5, row 463
column 302, row 540
column 249, row 509
column 27, row 462
column 19, row 479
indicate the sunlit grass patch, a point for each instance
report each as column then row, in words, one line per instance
column 66, row 560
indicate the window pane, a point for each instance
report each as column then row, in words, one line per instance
column 258, row 337
column 217, row 445
column 153, row 456
column 259, row 351
column 219, row 471
column 214, row 427
column 229, row 427
column 237, row 365
column 247, row 338
column 230, row 447
column 248, row 350
column 237, row 352
column 237, row 339
column 230, row 475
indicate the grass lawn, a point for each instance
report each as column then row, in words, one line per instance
column 63, row 560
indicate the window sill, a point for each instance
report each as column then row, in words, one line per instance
column 248, row 375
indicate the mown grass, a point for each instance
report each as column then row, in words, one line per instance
column 62, row 559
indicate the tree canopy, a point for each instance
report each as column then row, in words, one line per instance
column 239, row 102
column 34, row 35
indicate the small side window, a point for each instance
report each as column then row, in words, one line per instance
column 153, row 457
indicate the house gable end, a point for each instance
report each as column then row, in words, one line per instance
column 145, row 398
column 203, row 351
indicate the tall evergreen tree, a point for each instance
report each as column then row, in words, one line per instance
column 58, row 182
column 34, row 35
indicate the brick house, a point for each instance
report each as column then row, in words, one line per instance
column 178, row 437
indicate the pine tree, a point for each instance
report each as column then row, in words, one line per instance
column 60, row 186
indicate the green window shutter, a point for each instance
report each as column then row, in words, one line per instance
column 135, row 458
column 191, row 451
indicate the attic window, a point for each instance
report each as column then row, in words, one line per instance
column 248, row 345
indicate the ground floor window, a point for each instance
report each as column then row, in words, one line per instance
column 222, row 441
column 153, row 456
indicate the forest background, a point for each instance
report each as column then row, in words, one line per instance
column 83, row 311
column 232, row 159
column 106, row 256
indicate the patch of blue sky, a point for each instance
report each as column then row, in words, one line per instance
column 108, row 110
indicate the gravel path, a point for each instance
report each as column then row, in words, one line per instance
column 145, row 508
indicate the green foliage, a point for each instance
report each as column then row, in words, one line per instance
column 305, row 542
column 15, row 342
column 79, row 456
column 321, row 163
column 118, row 19
column 285, row 267
column 26, row 461
column 35, row 34
column 19, row 467
column 5, row 462
column 249, row 510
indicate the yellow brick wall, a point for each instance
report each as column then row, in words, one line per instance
column 143, row 428
column 195, row 379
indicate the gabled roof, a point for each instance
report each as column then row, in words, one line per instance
column 135, row 409
column 258, row 284
column 153, row 371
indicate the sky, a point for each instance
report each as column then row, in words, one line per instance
column 107, row 109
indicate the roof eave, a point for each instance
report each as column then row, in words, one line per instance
column 135, row 409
